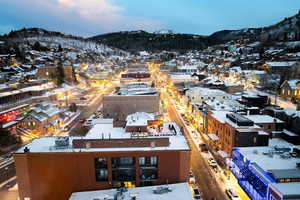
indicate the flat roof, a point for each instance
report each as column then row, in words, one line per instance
column 287, row 188
column 105, row 131
column 271, row 161
column 264, row 119
column 221, row 117
column 179, row 191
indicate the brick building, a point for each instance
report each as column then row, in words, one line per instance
column 227, row 130
column 48, row 72
column 55, row 167
column 119, row 106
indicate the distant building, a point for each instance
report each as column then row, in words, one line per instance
column 140, row 76
column 280, row 67
column 106, row 158
column 131, row 98
column 187, row 69
column 252, row 99
column 46, row 72
column 200, row 95
column 16, row 97
column 267, row 123
column 51, row 71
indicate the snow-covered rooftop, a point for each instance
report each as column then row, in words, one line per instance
column 287, row 188
column 263, row 119
column 261, row 156
column 180, row 77
column 45, row 86
column 294, row 84
column 281, row 64
column 139, row 119
column 179, row 191
column 105, row 131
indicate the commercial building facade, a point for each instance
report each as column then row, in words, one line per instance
column 228, row 130
column 119, row 106
column 105, row 158
column 268, row 173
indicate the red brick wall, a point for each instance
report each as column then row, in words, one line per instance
column 49, row 176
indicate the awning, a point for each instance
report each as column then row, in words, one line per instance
column 213, row 137
column 223, row 154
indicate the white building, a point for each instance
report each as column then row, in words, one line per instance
column 199, row 95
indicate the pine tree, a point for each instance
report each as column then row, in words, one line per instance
column 60, row 74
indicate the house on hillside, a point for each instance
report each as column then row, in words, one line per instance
column 288, row 69
column 43, row 118
column 290, row 89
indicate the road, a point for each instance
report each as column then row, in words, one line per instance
column 199, row 166
column 89, row 110
column 204, row 176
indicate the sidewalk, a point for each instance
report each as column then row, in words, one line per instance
column 222, row 180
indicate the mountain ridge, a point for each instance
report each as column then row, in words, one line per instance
column 139, row 40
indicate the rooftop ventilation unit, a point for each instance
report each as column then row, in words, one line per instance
column 62, row 142
column 239, row 119
column 162, row 190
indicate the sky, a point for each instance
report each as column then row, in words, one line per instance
column 92, row 17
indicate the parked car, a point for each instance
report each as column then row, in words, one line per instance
column 231, row 193
column 203, row 147
column 192, row 179
column 196, row 193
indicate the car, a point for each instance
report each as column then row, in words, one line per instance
column 81, row 120
column 192, row 179
column 196, row 193
column 231, row 193
column 203, row 147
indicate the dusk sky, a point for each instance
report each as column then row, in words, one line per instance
column 91, row 17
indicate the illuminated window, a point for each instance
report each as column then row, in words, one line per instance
column 101, row 169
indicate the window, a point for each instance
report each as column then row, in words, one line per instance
column 148, row 174
column 148, row 171
column 123, row 169
column 101, row 169
column 148, row 161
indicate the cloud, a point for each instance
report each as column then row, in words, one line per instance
column 93, row 9
column 80, row 17
column 104, row 14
